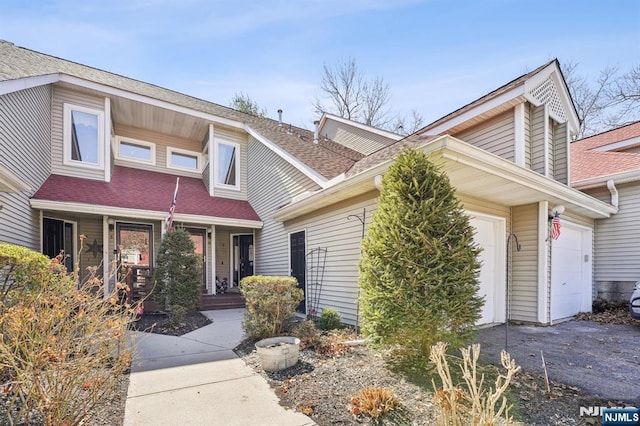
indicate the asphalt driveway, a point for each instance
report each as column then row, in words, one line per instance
column 603, row 359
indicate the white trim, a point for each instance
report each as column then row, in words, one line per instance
column 15, row 85
column 518, row 129
column 184, row 152
column 543, row 262
column 132, row 141
column 627, row 143
column 622, row 177
column 475, row 111
column 10, row 182
column 66, row 131
column 107, row 139
column 545, row 138
column 500, row 286
column 142, row 214
column 209, row 148
column 572, row 119
column 106, row 265
column 149, row 100
column 326, row 117
column 568, row 148
column 212, row 246
column 41, row 216
column 216, row 157
column 306, row 170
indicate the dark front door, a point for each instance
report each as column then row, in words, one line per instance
column 243, row 257
column 298, row 264
column 57, row 237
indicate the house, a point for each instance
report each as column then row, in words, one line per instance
column 85, row 151
column 607, row 166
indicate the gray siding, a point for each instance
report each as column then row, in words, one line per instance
column 560, row 160
column 536, row 123
column 61, row 96
column 524, row 283
column 355, row 138
column 617, row 252
column 25, row 135
column 550, row 148
column 495, row 135
column 223, row 250
column 272, row 182
column 527, row 135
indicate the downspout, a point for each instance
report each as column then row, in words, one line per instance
column 614, row 192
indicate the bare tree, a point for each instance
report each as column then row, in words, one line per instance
column 407, row 125
column 351, row 95
column 611, row 101
column 244, row 103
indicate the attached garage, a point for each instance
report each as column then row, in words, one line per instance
column 490, row 235
column 571, row 271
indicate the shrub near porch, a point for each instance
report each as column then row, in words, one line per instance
column 271, row 302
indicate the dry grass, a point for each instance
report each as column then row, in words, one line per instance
column 374, row 401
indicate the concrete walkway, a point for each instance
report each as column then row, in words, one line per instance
column 197, row 379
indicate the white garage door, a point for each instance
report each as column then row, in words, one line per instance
column 490, row 236
column 571, row 277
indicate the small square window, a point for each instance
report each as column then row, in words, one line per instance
column 135, row 150
column 83, row 136
column 183, row 159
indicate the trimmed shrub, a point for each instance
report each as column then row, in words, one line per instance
column 63, row 346
column 419, row 268
column 271, row 302
column 177, row 279
column 329, row 319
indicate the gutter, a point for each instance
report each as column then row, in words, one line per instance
column 611, row 186
column 623, row 177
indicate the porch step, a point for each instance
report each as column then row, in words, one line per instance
column 221, row 301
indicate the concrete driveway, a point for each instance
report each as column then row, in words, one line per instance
column 603, row 359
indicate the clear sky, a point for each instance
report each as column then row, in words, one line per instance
column 437, row 55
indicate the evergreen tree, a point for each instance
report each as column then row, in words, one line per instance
column 177, row 276
column 419, row 268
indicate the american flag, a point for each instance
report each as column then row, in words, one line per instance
column 555, row 226
column 169, row 220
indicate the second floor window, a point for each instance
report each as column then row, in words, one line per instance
column 136, row 150
column 83, row 136
column 182, row 159
column 227, row 155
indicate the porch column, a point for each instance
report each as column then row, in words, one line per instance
column 105, row 255
column 543, row 262
column 213, row 260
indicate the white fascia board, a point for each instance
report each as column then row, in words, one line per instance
column 141, row 214
column 627, row 143
column 149, row 100
column 326, row 117
column 475, row 111
column 618, row 178
column 10, row 182
column 457, row 150
column 518, row 129
column 306, row 170
column 543, row 262
column 10, row 86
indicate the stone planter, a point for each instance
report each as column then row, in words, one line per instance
column 278, row 353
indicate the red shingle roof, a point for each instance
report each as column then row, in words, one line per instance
column 145, row 190
column 586, row 163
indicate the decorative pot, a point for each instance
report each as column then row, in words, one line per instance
column 278, row 353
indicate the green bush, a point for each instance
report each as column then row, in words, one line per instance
column 271, row 302
column 177, row 278
column 329, row 319
column 63, row 346
column 419, row 267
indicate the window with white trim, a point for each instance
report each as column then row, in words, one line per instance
column 182, row 159
column 227, row 165
column 135, row 150
column 83, row 135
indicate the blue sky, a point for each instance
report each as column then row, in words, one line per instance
column 436, row 55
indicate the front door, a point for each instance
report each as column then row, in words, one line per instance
column 242, row 257
column 297, row 247
column 57, row 237
column 135, row 243
column 198, row 236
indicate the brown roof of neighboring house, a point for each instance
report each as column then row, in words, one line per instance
column 327, row 158
column 588, row 163
column 144, row 190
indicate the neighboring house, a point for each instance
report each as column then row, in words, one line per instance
column 607, row 166
column 84, row 151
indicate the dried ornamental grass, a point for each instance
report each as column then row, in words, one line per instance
column 374, row 401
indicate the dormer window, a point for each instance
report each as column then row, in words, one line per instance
column 135, row 150
column 227, row 165
column 181, row 159
column 83, row 136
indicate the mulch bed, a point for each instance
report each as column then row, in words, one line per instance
column 159, row 323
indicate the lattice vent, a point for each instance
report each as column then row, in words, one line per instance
column 547, row 93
